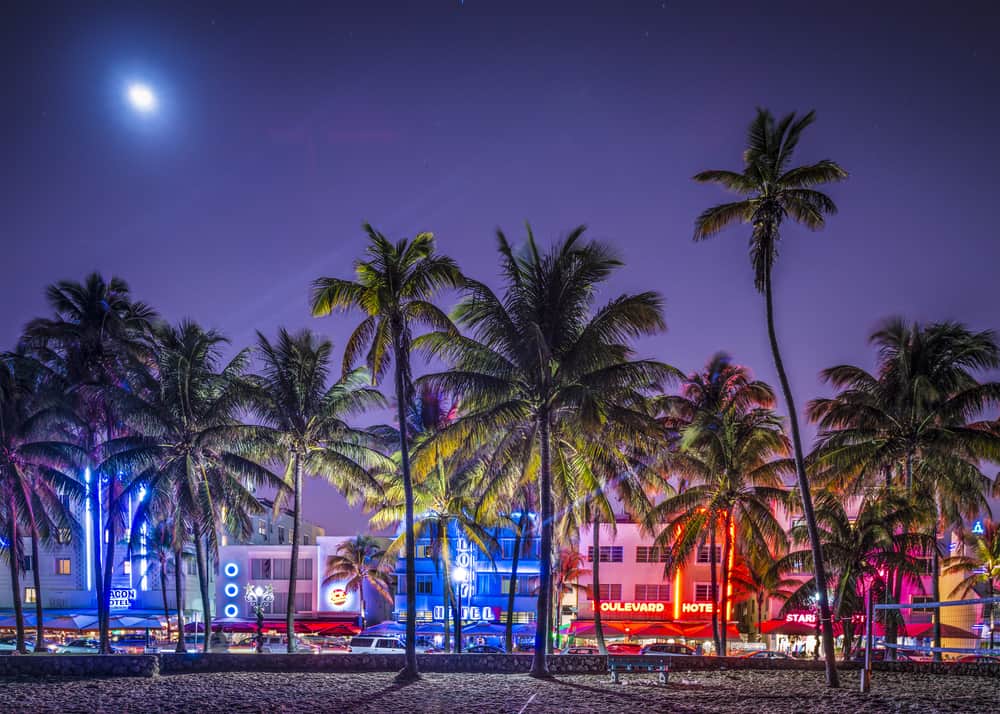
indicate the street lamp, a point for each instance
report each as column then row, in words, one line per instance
column 258, row 597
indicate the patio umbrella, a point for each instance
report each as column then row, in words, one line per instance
column 386, row 628
column 483, row 628
column 431, row 628
column 11, row 621
column 71, row 622
column 660, row 629
column 704, row 631
column 134, row 622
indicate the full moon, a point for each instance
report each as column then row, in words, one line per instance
column 142, row 98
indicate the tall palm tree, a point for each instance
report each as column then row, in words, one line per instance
column 194, row 455
column 721, row 387
column 540, row 358
column 394, row 288
column 771, row 189
column 95, row 345
column 736, row 462
column 359, row 562
column 910, row 426
column 306, row 417
column 980, row 564
column 757, row 576
column 37, row 467
column 860, row 552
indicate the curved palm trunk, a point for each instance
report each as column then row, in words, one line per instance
column 727, row 544
column 206, row 602
column 364, row 612
column 458, row 617
column 179, row 596
column 512, row 589
column 446, row 590
column 163, row 592
column 714, row 585
column 15, row 582
column 826, row 623
column 293, row 567
column 760, row 616
column 936, row 585
column 94, row 503
column 109, row 564
column 539, row 666
column 602, row 646
column 557, row 607
column 36, row 574
column 409, row 671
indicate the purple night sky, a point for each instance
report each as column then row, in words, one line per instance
column 280, row 131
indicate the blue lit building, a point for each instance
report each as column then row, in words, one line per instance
column 481, row 584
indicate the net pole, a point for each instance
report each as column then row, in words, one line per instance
column 866, row 673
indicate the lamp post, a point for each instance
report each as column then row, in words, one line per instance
column 258, row 597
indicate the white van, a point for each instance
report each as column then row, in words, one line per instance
column 371, row 644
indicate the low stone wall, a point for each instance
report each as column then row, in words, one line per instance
column 43, row 665
column 964, row 668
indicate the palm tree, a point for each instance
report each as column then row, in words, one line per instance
column 393, row 288
column 358, row 562
column 195, row 457
column 910, row 425
column 541, row 359
column 860, row 552
column 37, row 465
column 569, row 568
column 736, row 463
column 158, row 539
column 721, row 387
column 980, row 564
column 771, row 190
column 95, row 346
column 307, row 420
column 758, row 577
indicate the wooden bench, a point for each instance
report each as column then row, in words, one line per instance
column 619, row 664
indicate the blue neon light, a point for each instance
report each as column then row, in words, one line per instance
column 231, row 610
column 231, row 570
column 88, row 530
column 231, row 590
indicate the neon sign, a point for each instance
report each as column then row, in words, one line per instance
column 121, row 598
column 472, row 612
column 978, row 528
column 633, row 607
column 465, row 558
column 338, row 597
column 700, row 608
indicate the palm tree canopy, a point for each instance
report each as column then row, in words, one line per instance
column 360, row 560
column 770, row 188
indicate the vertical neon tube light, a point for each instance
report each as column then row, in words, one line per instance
column 128, row 553
column 143, row 581
column 88, row 520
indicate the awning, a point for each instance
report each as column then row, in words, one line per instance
column 783, row 627
column 926, row 629
column 703, row 631
column 621, row 628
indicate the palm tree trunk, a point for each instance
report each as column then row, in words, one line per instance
column 446, row 590
column 602, row 646
column 558, row 615
column 714, row 585
column 829, row 653
column 361, row 597
column 760, row 616
column 36, row 574
column 179, row 596
column 206, row 601
column 15, row 581
column 458, row 617
column 94, row 503
column 109, row 564
column 293, row 567
column 727, row 544
column 401, row 360
column 522, row 522
column 163, row 592
column 539, row 665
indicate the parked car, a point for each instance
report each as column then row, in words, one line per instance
column 273, row 644
column 624, row 648
column 879, row 655
column 195, row 642
column 135, row 644
column 978, row 659
column 483, row 649
column 765, row 654
column 370, row 644
column 328, row 644
column 581, row 650
column 666, row 648
column 84, row 646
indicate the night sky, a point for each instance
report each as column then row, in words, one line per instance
column 281, row 129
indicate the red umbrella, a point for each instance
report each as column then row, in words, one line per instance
column 926, row 629
column 782, row 627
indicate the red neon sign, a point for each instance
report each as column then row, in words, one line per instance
column 634, row 607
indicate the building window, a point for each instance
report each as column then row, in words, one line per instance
column 609, row 554
column 64, row 536
column 486, row 583
column 925, row 565
column 26, row 560
column 401, row 585
column 526, row 585
column 703, row 592
column 917, row 599
column 653, row 592
column 281, row 535
column 705, row 554
column 305, row 540
column 64, row 566
column 799, row 565
column 610, row 591
column 30, row 596
column 425, row 584
column 192, row 568
column 260, row 568
column 261, row 527
column 652, row 554
column 127, row 566
column 424, row 550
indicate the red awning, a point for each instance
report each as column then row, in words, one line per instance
column 585, row 628
column 703, row 631
column 926, row 629
column 783, row 627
